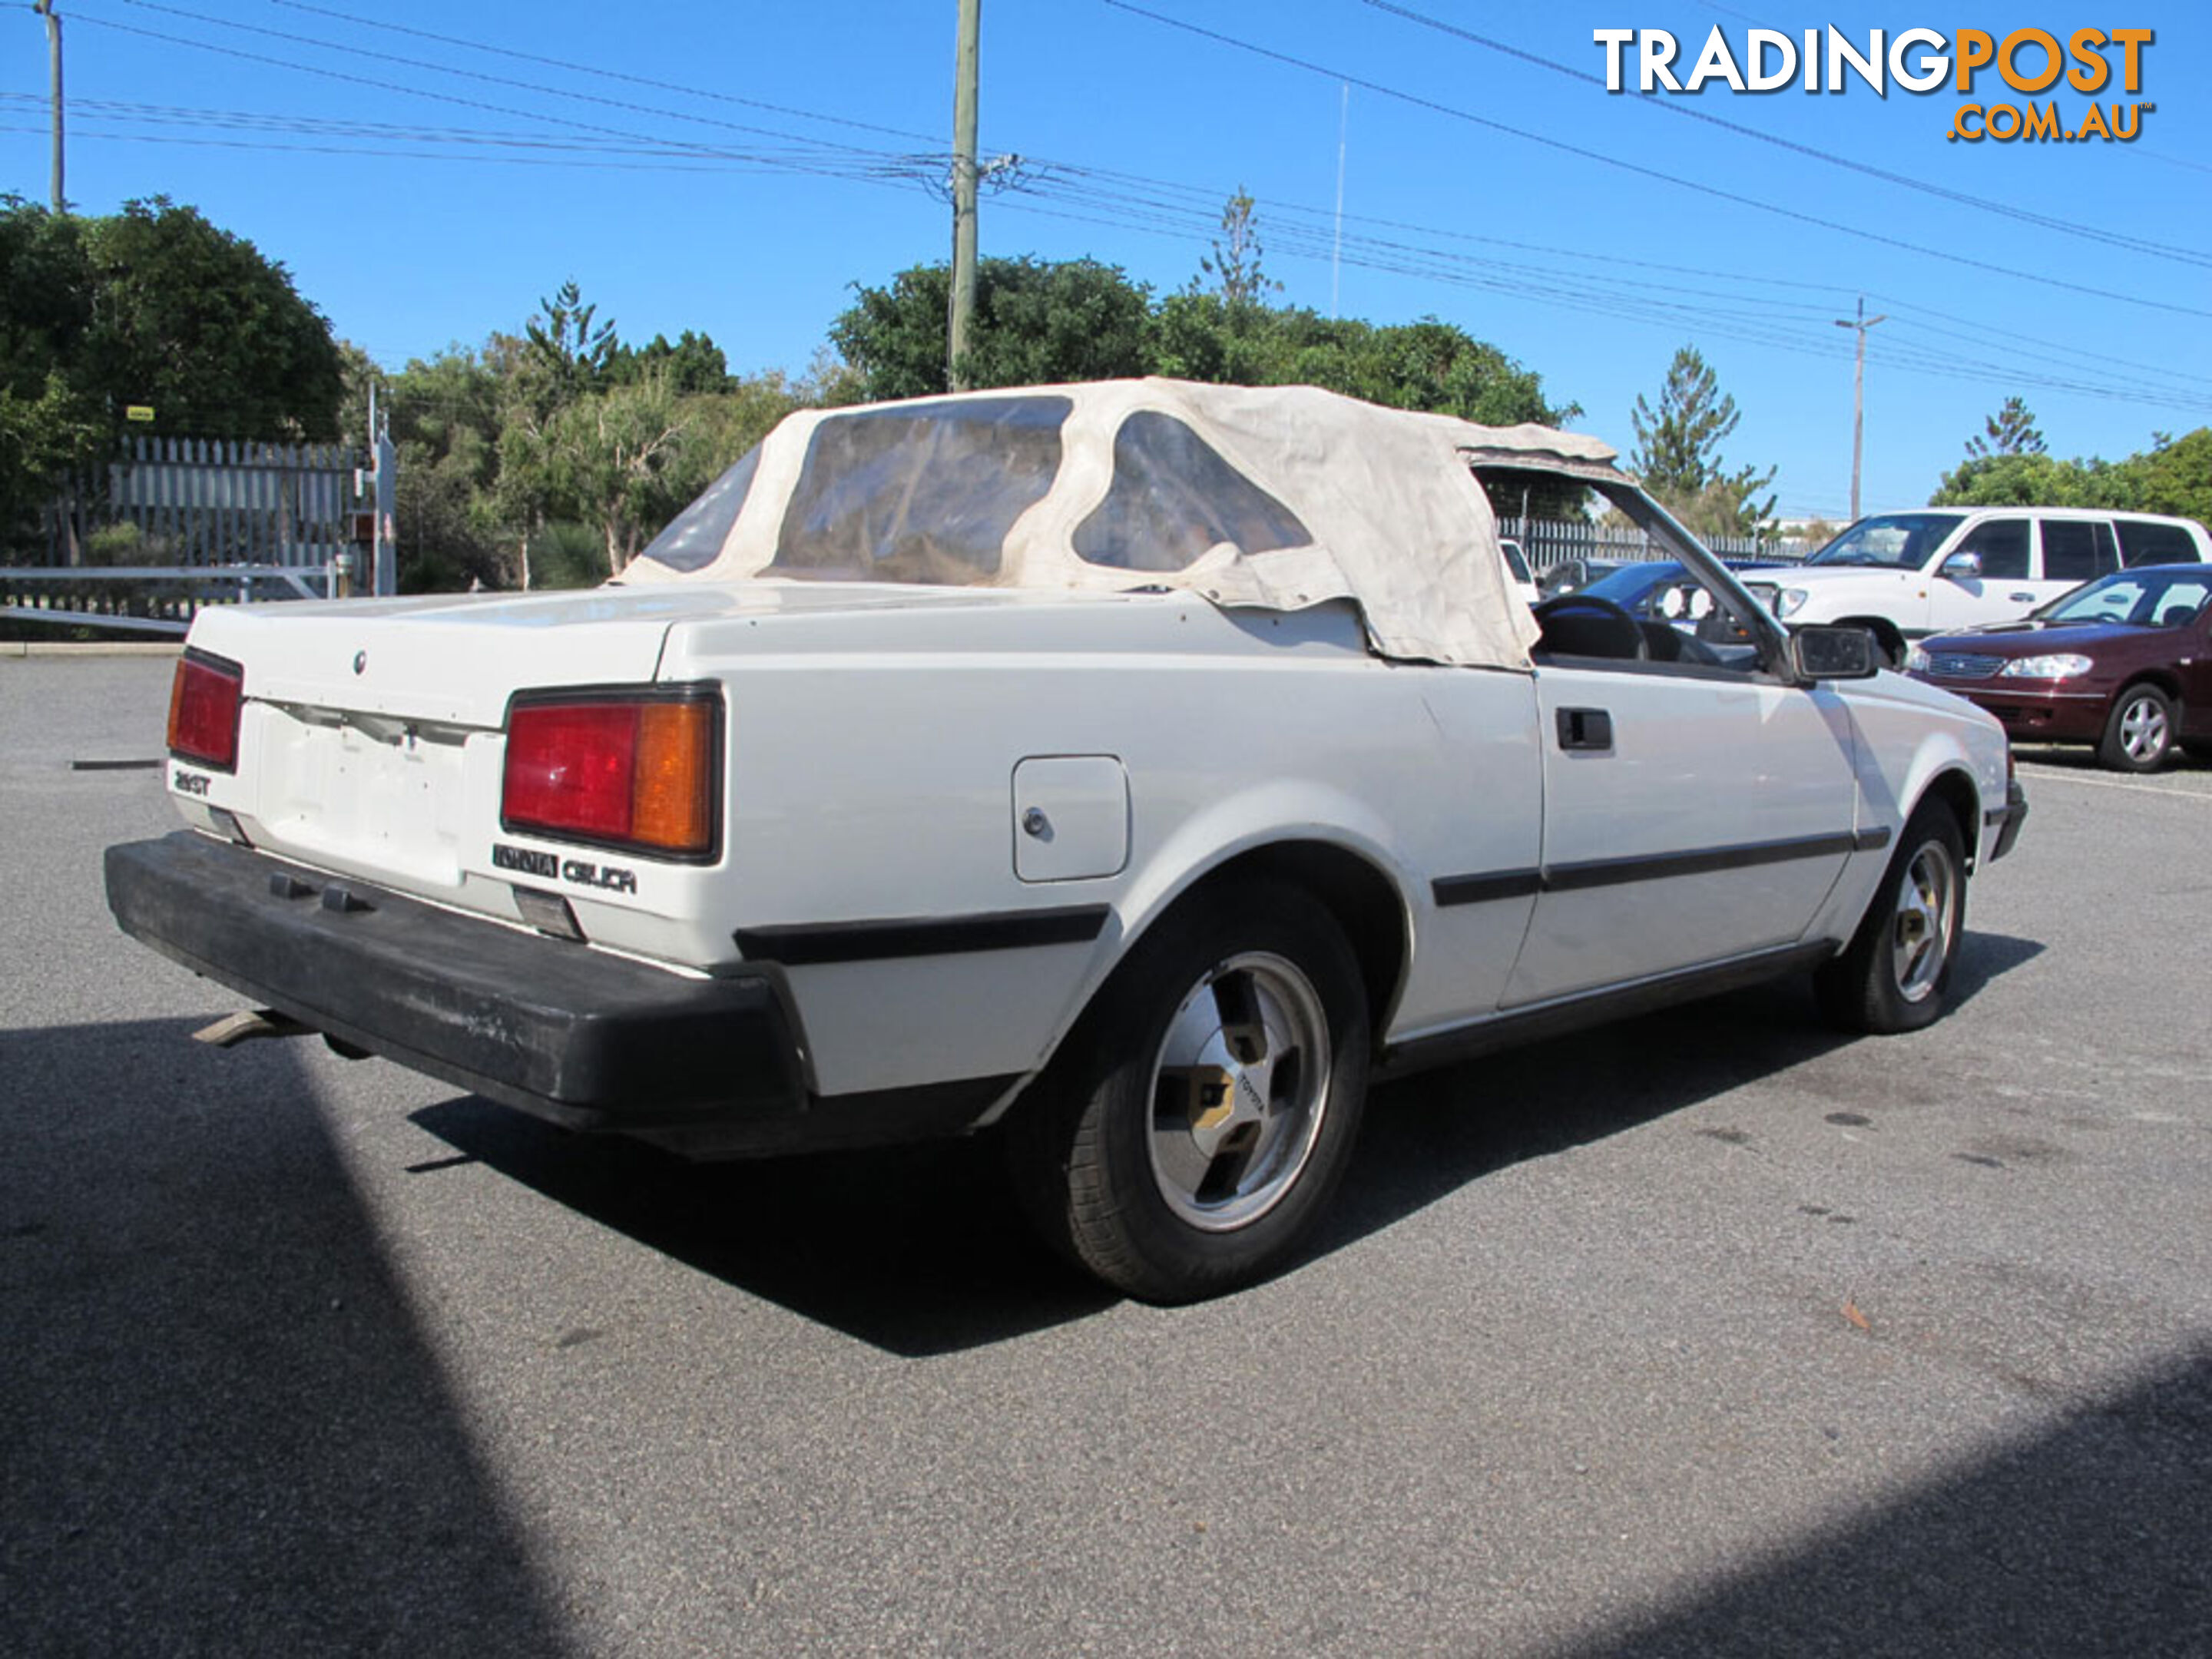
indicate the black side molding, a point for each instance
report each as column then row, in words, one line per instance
column 806, row 945
column 1480, row 889
column 1653, row 866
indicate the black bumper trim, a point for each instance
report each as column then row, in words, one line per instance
column 708, row 1066
column 931, row 936
column 2014, row 815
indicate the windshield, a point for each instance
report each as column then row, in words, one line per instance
column 1628, row 586
column 2143, row 598
column 1895, row 541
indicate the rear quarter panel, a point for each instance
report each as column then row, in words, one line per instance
column 871, row 771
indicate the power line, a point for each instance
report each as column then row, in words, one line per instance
column 1614, row 161
column 1705, row 320
column 625, row 105
column 1642, row 302
column 2158, row 249
column 1173, row 210
column 608, row 74
column 878, row 161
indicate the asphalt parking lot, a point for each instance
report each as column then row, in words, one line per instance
column 1711, row 1334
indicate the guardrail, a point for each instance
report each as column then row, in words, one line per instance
column 157, row 598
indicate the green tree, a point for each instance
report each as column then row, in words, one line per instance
column 2175, row 476
column 2010, row 431
column 693, row 365
column 626, row 461
column 565, row 352
column 152, row 306
column 446, row 415
column 1035, row 323
column 1678, row 451
column 2030, row 480
column 1428, row 364
column 197, row 323
column 1234, row 264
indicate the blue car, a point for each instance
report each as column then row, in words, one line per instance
column 1659, row 590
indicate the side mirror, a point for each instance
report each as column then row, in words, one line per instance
column 1834, row 654
column 1963, row 567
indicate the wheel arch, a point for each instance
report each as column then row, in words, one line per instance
column 1954, row 788
column 1353, row 885
column 2152, row 674
column 1361, row 899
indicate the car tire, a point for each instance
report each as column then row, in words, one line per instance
column 1895, row 974
column 1889, row 646
column 2139, row 732
column 1198, row 1119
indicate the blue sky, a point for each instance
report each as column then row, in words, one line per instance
column 736, row 167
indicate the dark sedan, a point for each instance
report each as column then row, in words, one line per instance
column 2124, row 663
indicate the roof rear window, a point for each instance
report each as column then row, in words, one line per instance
column 920, row 493
column 1174, row 498
column 2143, row 541
column 696, row 535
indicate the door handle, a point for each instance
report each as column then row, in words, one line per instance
column 1585, row 728
column 2021, row 599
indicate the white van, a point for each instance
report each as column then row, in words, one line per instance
column 1905, row 575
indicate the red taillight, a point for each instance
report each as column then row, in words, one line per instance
column 204, row 704
column 636, row 772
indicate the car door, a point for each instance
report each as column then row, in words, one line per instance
column 2194, row 665
column 1690, row 814
column 2073, row 551
column 2005, row 588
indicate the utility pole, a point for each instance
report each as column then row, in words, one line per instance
column 45, row 9
column 1858, row 394
column 964, row 193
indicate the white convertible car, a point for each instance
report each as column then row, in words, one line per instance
column 1139, row 769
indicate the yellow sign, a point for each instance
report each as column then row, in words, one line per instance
column 138, row 412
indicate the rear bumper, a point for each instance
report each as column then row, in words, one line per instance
column 590, row 1041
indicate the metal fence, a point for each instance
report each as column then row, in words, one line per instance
column 172, row 524
column 1547, row 543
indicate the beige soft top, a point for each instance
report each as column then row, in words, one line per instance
column 1397, row 522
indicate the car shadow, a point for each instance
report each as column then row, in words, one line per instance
column 920, row 1251
column 1987, row 957
column 225, row 1433
column 1429, row 1135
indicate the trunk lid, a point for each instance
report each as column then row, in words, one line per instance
column 453, row 659
column 371, row 741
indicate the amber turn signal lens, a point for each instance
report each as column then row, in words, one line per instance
column 673, row 781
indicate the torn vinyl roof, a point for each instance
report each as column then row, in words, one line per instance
column 1280, row 497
